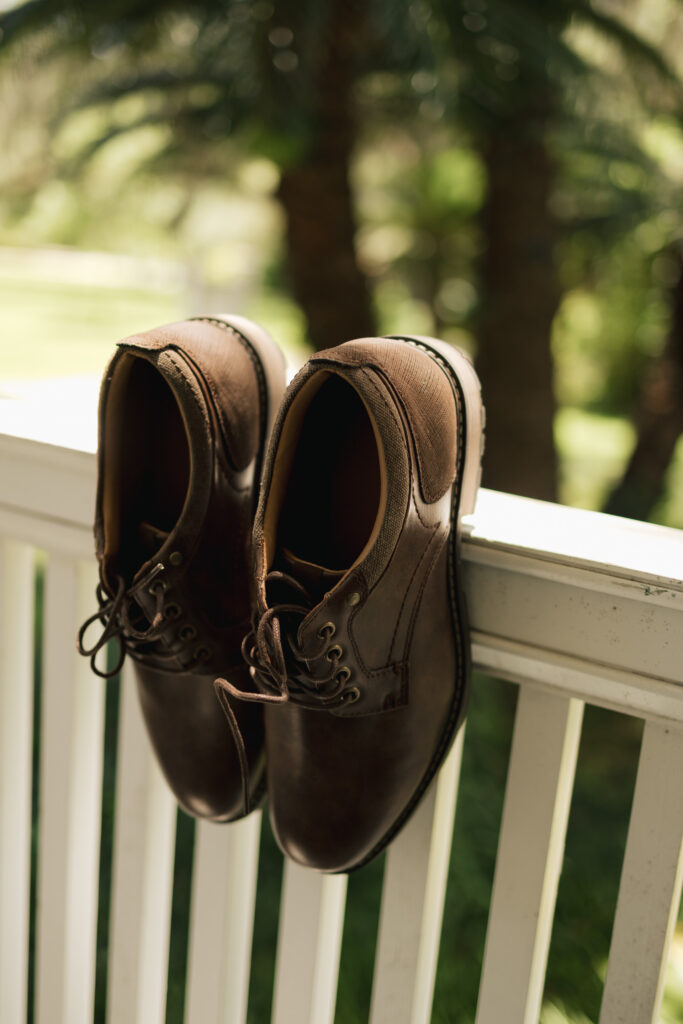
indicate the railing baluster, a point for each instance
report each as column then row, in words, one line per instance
column 222, row 922
column 308, row 948
column 413, row 896
column 16, row 720
column 650, row 889
column 530, row 850
column 617, row 586
column 70, row 803
column 144, row 830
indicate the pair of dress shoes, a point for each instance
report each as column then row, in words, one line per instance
column 293, row 553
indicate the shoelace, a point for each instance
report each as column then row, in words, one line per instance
column 115, row 614
column 284, row 672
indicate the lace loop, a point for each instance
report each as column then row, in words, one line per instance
column 281, row 671
column 278, row 666
column 115, row 616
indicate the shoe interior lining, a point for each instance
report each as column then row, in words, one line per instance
column 148, row 464
column 334, row 490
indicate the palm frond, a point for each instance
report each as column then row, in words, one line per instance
column 631, row 43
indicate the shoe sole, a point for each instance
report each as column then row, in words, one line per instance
column 269, row 365
column 471, row 423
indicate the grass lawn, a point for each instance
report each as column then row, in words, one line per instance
column 56, row 322
column 51, row 329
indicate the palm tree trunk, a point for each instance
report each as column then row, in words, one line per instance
column 520, row 296
column 316, row 197
column 659, row 421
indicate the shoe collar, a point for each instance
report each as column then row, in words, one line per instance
column 177, row 548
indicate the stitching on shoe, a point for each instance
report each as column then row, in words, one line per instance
column 423, row 585
column 253, row 355
column 370, row 379
column 417, row 509
column 260, row 381
column 456, row 614
column 211, row 385
column 430, row 496
column 401, row 426
column 407, row 589
column 404, row 691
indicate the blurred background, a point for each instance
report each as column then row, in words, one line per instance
column 505, row 175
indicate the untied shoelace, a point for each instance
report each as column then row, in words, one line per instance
column 284, row 677
column 114, row 613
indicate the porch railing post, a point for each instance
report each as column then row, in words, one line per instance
column 16, row 731
column 72, row 736
column 650, row 888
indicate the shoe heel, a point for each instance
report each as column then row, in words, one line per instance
column 460, row 367
column 270, row 358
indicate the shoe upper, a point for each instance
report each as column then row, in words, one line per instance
column 360, row 641
column 183, row 419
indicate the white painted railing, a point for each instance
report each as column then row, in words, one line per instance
column 572, row 606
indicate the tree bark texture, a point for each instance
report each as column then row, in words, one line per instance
column 658, row 421
column 316, row 197
column 520, row 296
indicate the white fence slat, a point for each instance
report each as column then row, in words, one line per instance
column 413, row 894
column 72, row 736
column 222, row 921
column 308, row 947
column 591, row 681
column 530, row 850
column 650, row 888
column 142, row 874
column 16, row 721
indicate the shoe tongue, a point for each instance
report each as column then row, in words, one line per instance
column 317, row 579
column 152, row 538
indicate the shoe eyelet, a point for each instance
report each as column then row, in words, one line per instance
column 334, row 654
column 353, row 599
column 351, row 695
column 158, row 587
column 172, row 611
column 343, row 674
column 187, row 632
column 327, row 630
column 201, row 654
column 176, row 558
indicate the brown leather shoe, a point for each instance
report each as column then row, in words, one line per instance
column 185, row 411
column 360, row 650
